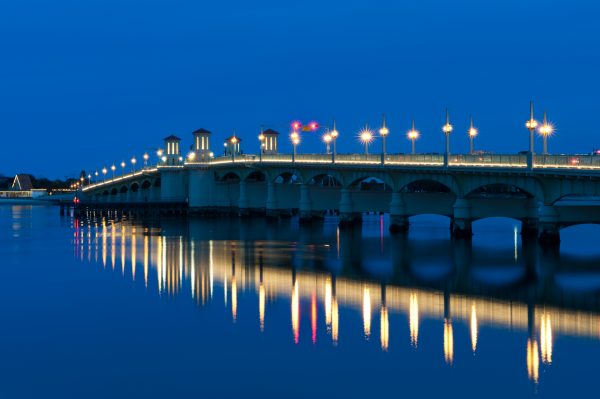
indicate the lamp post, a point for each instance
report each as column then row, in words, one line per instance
column 146, row 156
column 334, row 135
column 123, row 164
column 261, row 139
column 447, row 129
column 159, row 154
column 96, row 175
column 112, row 168
column 89, row 176
column 327, row 140
column 531, row 124
column 472, row 133
column 545, row 130
column 133, row 162
column 104, row 173
column 383, row 132
column 413, row 135
column 295, row 137
column 366, row 136
column 233, row 142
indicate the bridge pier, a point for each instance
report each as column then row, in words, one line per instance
column 461, row 222
column 398, row 216
column 347, row 216
column 306, row 213
column 243, row 202
column 549, row 235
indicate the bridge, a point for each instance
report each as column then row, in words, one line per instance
column 545, row 192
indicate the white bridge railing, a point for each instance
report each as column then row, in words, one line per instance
column 575, row 162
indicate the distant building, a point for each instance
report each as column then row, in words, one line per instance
column 22, row 182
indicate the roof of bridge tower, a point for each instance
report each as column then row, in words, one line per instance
column 201, row 130
column 172, row 138
column 271, row 132
column 228, row 139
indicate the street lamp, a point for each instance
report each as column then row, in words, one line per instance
column 133, row 162
column 472, row 133
column 447, row 129
column 261, row 139
column 96, row 175
column 146, row 156
column 531, row 124
column 545, row 130
column 295, row 137
column 383, row 132
column 334, row 135
column 89, row 179
column 123, row 164
column 327, row 140
column 191, row 156
column 112, row 168
column 413, row 135
column 104, row 172
column 366, row 136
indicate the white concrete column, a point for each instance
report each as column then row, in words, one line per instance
column 461, row 223
column 398, row 216
column 347, row 215
column 305, row 204
column 549, row 235
column 271, row 206
column 244, row 203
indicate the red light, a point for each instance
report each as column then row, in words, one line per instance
column 314, row 125
column 296, row 125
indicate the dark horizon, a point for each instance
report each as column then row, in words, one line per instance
column 86, row 85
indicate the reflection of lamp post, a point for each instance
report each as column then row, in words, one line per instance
column 112, row 168
column 472, row 133
column 413, row 135
column 366, row 136
column 327, row 140
column 531, row 124
column 295, row 137
column 545, row 130
column 447, row 129
column 383, row 132
column 261, row 139
column 334, row 135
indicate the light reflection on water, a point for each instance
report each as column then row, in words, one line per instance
column 323, row 267
column 156, row 299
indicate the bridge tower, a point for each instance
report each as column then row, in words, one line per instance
column 201, row 144
column 173, row 156
column 270, row 143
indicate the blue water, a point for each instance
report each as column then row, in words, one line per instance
column 172, row 308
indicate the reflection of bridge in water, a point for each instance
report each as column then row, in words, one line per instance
column 328, row 268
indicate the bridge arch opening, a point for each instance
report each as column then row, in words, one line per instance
column 370, row 184
column 146, row 185
column 157, row 182
column 230, row 177
column 425, row 186
column 499, row 190
column 256, row 176
column 287, row 178
column 324, row 180
column 135, row 187
column 114, row 191
column 123, row 190
column 105, row 192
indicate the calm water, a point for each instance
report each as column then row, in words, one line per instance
column 223, row 308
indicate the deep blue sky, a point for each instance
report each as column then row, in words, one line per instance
column 87, row 83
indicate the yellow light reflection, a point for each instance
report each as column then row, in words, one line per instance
column 113, row 245
column 448, row 342
column 146, row 258
column 546, row 339
column 367, row 312
column 104, row 233
column 328, row 304
column 385, row 328
column 473, row 328
column 413, row 319
column 313, row 317
column 296, row 313
column 261, row 306
column 133, row 255
column 233, row 298
column 533, row 361
column 123, row 243
column 334, row 321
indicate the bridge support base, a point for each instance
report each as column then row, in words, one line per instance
column 349, row 219
column 529, row 228
column 398, row 224
column 461, row 229
column 549, row 236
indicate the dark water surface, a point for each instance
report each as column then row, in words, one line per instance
column 229, row 308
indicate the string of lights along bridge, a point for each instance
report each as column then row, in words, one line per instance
column 546, row 192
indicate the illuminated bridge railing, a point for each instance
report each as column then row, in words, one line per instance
column 567, row 161
column 497, row 160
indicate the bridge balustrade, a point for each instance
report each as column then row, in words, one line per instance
column 567, row 161
column 510, row 160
